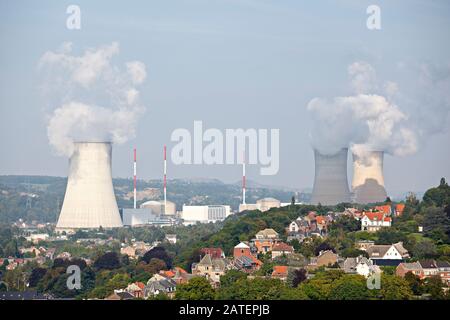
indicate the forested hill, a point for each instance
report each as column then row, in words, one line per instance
column 40, row 197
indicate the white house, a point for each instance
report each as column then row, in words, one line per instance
column 374, row 221
column 391, row 254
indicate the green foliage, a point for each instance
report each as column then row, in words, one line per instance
column 198, row 288
column 434, row 287
column 349, row 287
column 394, row 288
column 107, row 261
column 439, row 196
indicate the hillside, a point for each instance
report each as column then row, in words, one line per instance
column 40, row 197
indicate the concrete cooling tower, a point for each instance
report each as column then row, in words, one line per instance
column 368, row 180
column 89, row 201
column 330, row 180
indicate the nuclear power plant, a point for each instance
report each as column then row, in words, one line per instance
column 89, row 201
column 330, row 179
column 368, row 180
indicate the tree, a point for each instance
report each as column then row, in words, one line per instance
column 434, row 287
column 36, row 275
column 198, row 288
column 394, row 288
column 323, row 247
column 439, row 196
column 349, row 287
column 414, row 282
column 158, row 253
column 424, row 249
column 108, row 261
column 231, row 277
column 296, row 277
column 389, row 236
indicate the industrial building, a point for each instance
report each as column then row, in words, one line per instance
column 89, row 201
column 157, row 207
column 142, row 217
column 204, row 214
column 368, row 179
column 262, row 205
column 330, row 179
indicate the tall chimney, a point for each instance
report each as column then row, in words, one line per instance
column 134, row 179
column 165, row 178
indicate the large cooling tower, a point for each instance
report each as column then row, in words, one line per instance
column 368, row 180
column 330, row 180
column 89, row 201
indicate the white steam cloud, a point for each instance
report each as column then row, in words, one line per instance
column 372, row 119
column 95, row 100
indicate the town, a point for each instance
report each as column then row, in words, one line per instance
column 278, row 251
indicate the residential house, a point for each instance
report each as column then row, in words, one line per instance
column 374, row 221
column 413, row 267
column 216, row 253
column 244, row 259
column 360, row 265
column 265, row 239
column 364, row 244
column 211, row 268
column 171, row 238
column 281, row 249
column 425, row 269
column 280, row 272
column 160, row 285
column 385, row 209
column 120, row 295
column 399, row 208
column 387, row 255
column 136, row 289
column 129, row 251
column 325, row 258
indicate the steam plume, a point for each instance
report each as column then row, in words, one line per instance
column 94, row 99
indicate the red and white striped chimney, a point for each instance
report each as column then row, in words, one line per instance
column 243, row 178
column 134, row 184
column 165, row 179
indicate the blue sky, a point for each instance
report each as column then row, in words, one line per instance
column 231, row 64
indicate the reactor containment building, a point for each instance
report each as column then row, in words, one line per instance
column 89, row 201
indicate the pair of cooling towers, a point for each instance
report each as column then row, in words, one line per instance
column 331, row 184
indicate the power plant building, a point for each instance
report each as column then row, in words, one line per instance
column 330, row 179
column 157, row 207
column 204, row 214
column 262, row 205
column 89, row 201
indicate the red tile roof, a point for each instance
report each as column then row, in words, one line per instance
column 321, row 220
column 281, row 246
column 374, row 215
column 385, row 209
column 280, row 270
column 140, row 285
column 399, row 208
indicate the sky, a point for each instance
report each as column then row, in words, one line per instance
column 231, row 64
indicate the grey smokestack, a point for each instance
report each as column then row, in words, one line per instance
column 330, row 179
